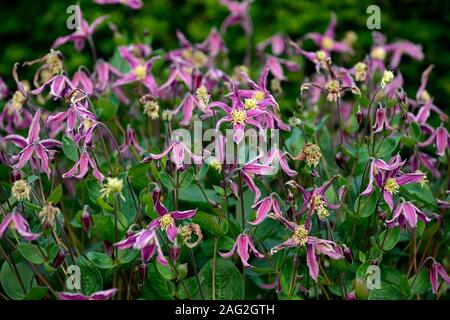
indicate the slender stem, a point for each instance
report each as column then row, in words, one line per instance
column 194, row 266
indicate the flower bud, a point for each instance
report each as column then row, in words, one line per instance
column 15, row 175
column 143, row 271
column 340, row 159
column 109, row 249
column 86, row 221
column 59, row 259
column 350, row 296
column 174, row 253
column 348, row 254
column 359, row 116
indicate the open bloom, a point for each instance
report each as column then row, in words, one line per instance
column 314, row 246
column 130, row 144
column 264, row 207
column 238, row 15
column 133, row 4
column 435, row 270
column 279, row 157
column 381, row 121
column 140, row 71
column 33, row 146
column 326, row 41
column 277, row 42
column 17, row 222
column 99, row 295
column 147, row 242
column 407, row 212
column 252, row 168
column 387, row 177
column 243, row 246
column 442, row 139
column 80, row 168
column 179, row 152
column 166, row 219
column 83, row 32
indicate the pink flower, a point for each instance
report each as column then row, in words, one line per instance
column 81, row 80
column 178, row 151
column 252, row 168
column 133, row 4
column 277, row 43
column 381, row 121
column 81, row 167
column 3, row 89
column 442, row 139
column 407, row 212
column 275, row 66
column 99, row 295
column 280, row 157
column 435, row 270
column 18, row 223
column 239, row 14
column 60, row 87
column 131, row 143
column 264, row 207
column 243, row 246
column 166, row 219
column 84, row 32
column 33, row 146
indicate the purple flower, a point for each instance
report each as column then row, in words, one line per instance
column 275, row 66
column 264, row 207
column 427, row 161
column 277, row 43
column 133, row 4
column 140, row 71
column 33, row 146
column 314, row 246
column 381, row 121
column 386, row 176
column 82, row 81
column 18, row 223
column 239, row 14
column 3, row 89
column 442, row 139
column 82, row 33
column 213, row 44
column 435, row 270
column 319, row 57
column 326, row 41
column 279, row 157
column 81, row 167
column 166, row 219
column 178, row 152
column 130, row 144
column 147, row 242
column 243, row 246
column 99, row 295
column 407, row 212
column 252, row 168
column 60, row 87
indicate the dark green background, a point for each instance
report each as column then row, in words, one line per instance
column 28, row 28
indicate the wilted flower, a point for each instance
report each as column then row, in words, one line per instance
column 48, row 215
column 360, row 71
column 21, row 190
column 311, row 154
column 188, row 232
column 112, row 186
column 150, row 105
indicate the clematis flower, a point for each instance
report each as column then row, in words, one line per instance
column 381, row 121
column 82, row 33
column 319, row 57
column 386, row 176
column 140, row 71
column 326, row 41
column 60, row 87
column 81, row 167
column 277, row 42
column 179, row 152
column 16, row 221
column 33, row 146
column 275, row 66
column 99, row 295
column 277, row 156
column 3, row 89
column 213, row 44
column 243, row 245
column 166, row 219
column 428, row 162
column 81, row 80
column 130, row 143
column 435, row 270
column 147, row 242
column 441, row 137
column 407, row 212
column 14, row 116
column 314, row 246
column 133, row 4
column 239, row 14
column 264, row 207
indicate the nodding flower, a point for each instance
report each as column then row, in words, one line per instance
column 277, row 42
column 239, row 14
column 252, row 168
column 264, row 208
column 434, row 271
column 388, row 178
column 99, row 295
column 166, row 220
column 301, row 238
column 81, row 167
column 17, row 222
column 130, row 144
column 133, row 4
column 441, row 137
column 33, row 148
column 243, row 245
column 406, row 213
column 83, row 32
column 326, row 41
column 381, row 121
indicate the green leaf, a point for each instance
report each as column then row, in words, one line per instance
column 91, row 279
column 36, row 293
column 106, row 108
column 11, row 283
column 167, row 180
column 167, row 272
column 388, row 147
column 389, row 238
column 190, row 285
column 362, row 256
column 208, row 223
column 419, row 284
column 31, row 253
column 100, row 259
column 228, row 280
column 186, row 178
column 69, row 149
column 182, row 271
column 367, row 205
column 416, row 132
column 156, row 287
column 56, row 195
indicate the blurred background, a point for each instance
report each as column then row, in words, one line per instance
column 28, row 28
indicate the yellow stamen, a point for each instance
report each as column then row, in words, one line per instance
column 391, row 186
column 300, row 235
column 166, row 221
column 239, row 116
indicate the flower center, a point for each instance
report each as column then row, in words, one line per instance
column 378, row 53
column 203, row 96
column 251, row 104
column 388, row 76
column 112, row 186
column 360, row 71
column 259, row 95
column 151, row 108
column 300, row 235
column 391, row 186
column 320, row 55
column 88, row 123
column 140, row 72
column 327, row 43
column 239, row 116
column 311, row 154
column 332, row 87
column 425, row 96
column 21, row 190
column 18, row 100
column 166, row 221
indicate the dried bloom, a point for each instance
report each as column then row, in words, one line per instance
column 167, row 115
column 150, row 105
column 203, row 96
column 112, row 186
column 311, row 154
column 294, row 121
column 190, row 232
column 387, row 78
column 333, row 89
column 21, row 190
column 48, row 215
column 360, row 71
